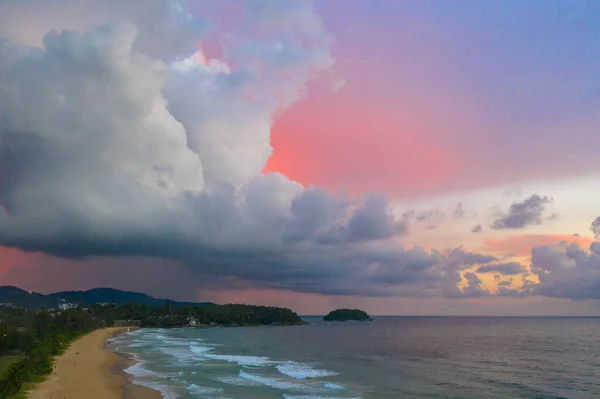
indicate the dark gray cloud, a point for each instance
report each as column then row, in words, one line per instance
column 596, row 228
column 473, row 289
column 509, row 268
column 458, row 259
column 477, row 228
column 522, row 214
column 373, row 221
column 566, row 271
column 429, row 219
column 459, row 211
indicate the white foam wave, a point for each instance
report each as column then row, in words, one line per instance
column 273, row 382
column 182, row 355
column 137, row 370
column 194, row 389
column 236, row 381
column 200, row 349
column 176, row 342
column 302, row 371
column 286, row 396
column 138, row 345
column 159, row 337
column 333, row 386
column 241, row 360
column 148, row 379
column 165, row 392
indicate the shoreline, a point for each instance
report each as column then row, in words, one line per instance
column 87, row 369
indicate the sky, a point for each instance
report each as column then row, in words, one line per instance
column 403, row 157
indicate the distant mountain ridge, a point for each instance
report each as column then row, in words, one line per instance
column 33, row 300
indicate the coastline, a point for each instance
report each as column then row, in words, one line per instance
column 89, row 370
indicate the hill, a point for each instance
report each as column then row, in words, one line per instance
column 33, row 300
column 347, row 315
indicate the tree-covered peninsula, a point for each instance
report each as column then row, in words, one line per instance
column 347, row 315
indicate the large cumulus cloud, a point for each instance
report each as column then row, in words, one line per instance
column 566, row 271
column 120, row 137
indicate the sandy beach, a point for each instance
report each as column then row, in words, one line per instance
column 89, row 371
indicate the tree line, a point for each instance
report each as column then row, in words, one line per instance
column 40, row 335
column 45, row 337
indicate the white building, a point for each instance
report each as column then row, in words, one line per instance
column 65, row 306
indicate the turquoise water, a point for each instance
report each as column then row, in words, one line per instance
column 398, row 357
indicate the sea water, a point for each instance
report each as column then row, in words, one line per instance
column 396, row 357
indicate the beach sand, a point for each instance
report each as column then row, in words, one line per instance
column 87, row 370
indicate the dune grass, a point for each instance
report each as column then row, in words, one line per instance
column 6, row 361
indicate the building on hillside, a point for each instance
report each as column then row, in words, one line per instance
column 66, row 305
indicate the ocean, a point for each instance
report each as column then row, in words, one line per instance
column 392, row 357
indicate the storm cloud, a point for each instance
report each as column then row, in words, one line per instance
column 122, row 136
column 119, row 137
column 528, row 212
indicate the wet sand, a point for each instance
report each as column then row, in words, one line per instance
column 87, row 370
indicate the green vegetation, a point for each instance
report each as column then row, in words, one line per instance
column 33, row 300
column 347, row 315
column 6, row 361
column 45, row 336
column 29, row 339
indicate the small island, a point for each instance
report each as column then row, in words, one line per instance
column 347, row 315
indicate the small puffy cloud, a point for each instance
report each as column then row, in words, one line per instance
column 596, row 227
column 522, row 214
column 459, row 211
column 459, row 259
column 507, row 269
column 477, row 228
column 429, row 219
